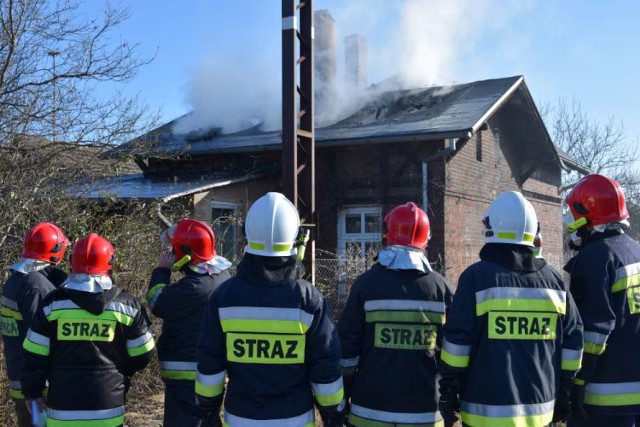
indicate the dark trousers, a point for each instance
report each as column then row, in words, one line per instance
column 181, row 408
column 22, row 414
column 597, row 420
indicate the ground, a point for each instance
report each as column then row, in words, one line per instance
column 146, row 411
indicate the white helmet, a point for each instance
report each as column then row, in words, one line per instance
column 272, row 226
column 510, row 219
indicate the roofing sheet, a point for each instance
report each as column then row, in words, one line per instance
column 136, row 186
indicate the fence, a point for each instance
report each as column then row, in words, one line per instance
column 334, row 278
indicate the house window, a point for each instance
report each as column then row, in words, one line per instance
column 359, row 231
column 224, row 216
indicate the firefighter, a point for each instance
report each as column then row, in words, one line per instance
column 181, row 305
column 513, row 341
column 605, row 283
column 32, row 278
column 87, row 340
column 270, row 332
column 391, row 329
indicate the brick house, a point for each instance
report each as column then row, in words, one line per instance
column 452, row 149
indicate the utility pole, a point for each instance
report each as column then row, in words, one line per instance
column 53, row 54
column 298, row 140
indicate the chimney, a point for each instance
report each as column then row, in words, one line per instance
column 324, row 44
column 355, row 56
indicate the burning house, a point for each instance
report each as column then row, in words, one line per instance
column 450, row 149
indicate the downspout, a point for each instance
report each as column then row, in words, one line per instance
column 451, row 147
column 161, row 203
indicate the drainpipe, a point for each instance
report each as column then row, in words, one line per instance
column 451, row 147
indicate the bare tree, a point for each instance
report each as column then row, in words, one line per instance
column 600, row 145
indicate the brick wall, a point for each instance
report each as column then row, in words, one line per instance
column 483, row 167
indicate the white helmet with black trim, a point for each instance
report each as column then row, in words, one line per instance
column 510, row 219
column 272, row 226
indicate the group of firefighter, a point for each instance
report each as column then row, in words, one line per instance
column 515, row 346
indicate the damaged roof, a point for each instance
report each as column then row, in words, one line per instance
column 137, row 186
column 438, row 112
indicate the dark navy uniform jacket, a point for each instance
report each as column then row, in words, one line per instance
column 513, row 332
column 20, row 298
column 391, row 335
column 273, row 336
column 181, row 306
column 605, row 283
column 87, row 345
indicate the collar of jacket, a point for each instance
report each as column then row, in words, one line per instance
column 88, row 283
column 268, row 269
column 29, row 265
column 397, row 257
column 513, row 257
column 215, row 265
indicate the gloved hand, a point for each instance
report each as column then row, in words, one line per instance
column 449, row 407
column 577, row 402
column 562, row 408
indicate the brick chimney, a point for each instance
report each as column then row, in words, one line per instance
column 355, row 57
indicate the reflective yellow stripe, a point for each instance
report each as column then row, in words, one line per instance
column 179, row 375
column 109, row 422
column 16, row 394
column 35, row 348
column 405, row 316
column 264, row 325
column 612, row 399
column 526, row 237
column 571, row 365
column 330, row 399
column 257, row 246
column 365, row 422
column 209, row 390
column 522, row 421
column 580, row 381
column 539, row 305
column 265, row 348
column 144, row 348
column 280, row 247
column 153, row 291
column 626, row 282
column 592, row 348
column 7, row 312
column 78, row 314
column 453, row 360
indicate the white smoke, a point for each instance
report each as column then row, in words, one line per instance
column 411, row 44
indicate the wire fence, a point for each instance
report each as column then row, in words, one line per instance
column 334, row 278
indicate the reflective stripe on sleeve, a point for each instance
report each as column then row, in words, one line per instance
column 16, row 390
column 350, row 362
column 328, row 394
column 178, row 370
column 394, row 417
column 571, row 360
column 96, row 418
column 626, row 276
column 265, row 319
column 529, row 415
column 10, row 309
column 36, row 343
column 521, row 299
column 612, row 394
column 594, row 342
column 154, row 293
column 455, row 355
column 399, row 304
column 305, row 420
column 210, row 386
column 141, row 345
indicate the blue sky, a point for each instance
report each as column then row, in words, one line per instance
column 227, row 52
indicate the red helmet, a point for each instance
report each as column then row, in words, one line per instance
column 45, row 242
column 92, row 255
column 194, row 238
column 407, row 225
column 598, row 199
